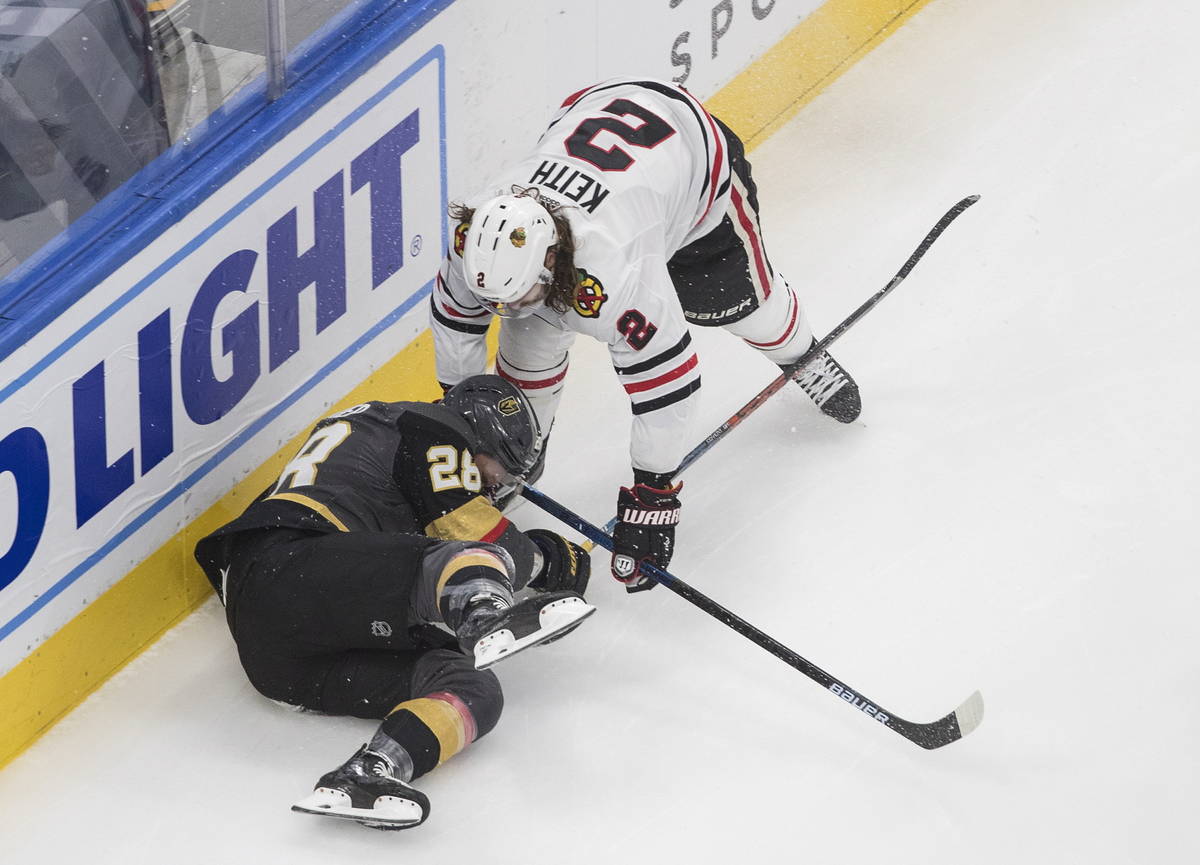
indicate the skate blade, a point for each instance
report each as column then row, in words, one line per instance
column 556, row 620
column 390, row 812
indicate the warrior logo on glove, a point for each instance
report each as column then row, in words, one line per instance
column 623, row 566
column 638, row 516
column 645, row 530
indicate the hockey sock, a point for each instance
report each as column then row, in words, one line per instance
column 382, row 743
column 453, row 573
column 428, row 730
column 779, row 328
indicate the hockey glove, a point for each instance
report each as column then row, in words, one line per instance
column 566, row 567
column 645, row 532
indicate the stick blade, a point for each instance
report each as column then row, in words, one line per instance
column 970, row 714
column 943, row 731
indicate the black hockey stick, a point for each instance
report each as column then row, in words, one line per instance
column 945, row 730
column 794, row 369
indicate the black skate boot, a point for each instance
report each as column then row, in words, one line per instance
column 830, row 387
column 492, row 630
column 365, row 788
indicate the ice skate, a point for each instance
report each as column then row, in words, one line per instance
column 830, row 387
column 493, row 631
column 365, row 788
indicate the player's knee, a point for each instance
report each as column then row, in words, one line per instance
column 277, row 685
column 448, row 671
column 778, row 327
column 455, row 571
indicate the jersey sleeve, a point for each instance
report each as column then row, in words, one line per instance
column 436, row 471
column 651, row 350
column 458, row 322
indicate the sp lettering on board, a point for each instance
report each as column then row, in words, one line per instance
column 703, row 44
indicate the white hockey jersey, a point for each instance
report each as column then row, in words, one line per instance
column 642, row 170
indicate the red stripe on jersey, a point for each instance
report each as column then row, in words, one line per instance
column 718, row 157
column 719, row 140
column 788, row 331
column 574, row 97
column 457, row 314
column 531, row 384
column 746, row 219
column 499, row 529
column 682, row 369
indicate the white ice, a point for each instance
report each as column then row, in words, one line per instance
column 1016, row 511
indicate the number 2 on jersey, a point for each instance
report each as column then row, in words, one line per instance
column 652, row 132
column 638, row 331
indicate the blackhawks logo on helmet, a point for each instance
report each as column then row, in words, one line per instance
column 589, row 294
column 517, row 238
column 460, row 238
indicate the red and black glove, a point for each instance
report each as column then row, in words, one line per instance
column 647, row 514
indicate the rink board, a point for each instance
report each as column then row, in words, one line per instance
column 170, row 394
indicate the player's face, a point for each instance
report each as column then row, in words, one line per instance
column 490, row 471
column 495, row 478
column 529, row 302
column 525, row 305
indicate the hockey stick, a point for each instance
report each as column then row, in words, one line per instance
column 941, row 732
column 792, row 370
column 796, row 368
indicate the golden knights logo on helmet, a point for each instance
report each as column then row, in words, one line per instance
column 460, row 238
column 508, row 406
column 589, row 294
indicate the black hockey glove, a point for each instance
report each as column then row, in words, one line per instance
column 566, row 567
column 647, row 515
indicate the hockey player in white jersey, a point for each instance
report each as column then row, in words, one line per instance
column 634, row 217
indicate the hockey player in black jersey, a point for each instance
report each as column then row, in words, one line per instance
column 633, row 218
column 377, row 579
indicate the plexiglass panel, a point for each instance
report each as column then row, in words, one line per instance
column 93, row 90
column 305, row 17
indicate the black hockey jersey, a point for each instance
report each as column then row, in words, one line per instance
column 384, row 467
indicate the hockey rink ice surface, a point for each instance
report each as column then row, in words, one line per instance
column 1015, row 511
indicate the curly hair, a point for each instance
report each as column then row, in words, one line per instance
column 560, row 294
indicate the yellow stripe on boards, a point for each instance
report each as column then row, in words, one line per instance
column 769, row 92
column 445, row 722
column 168, row 585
